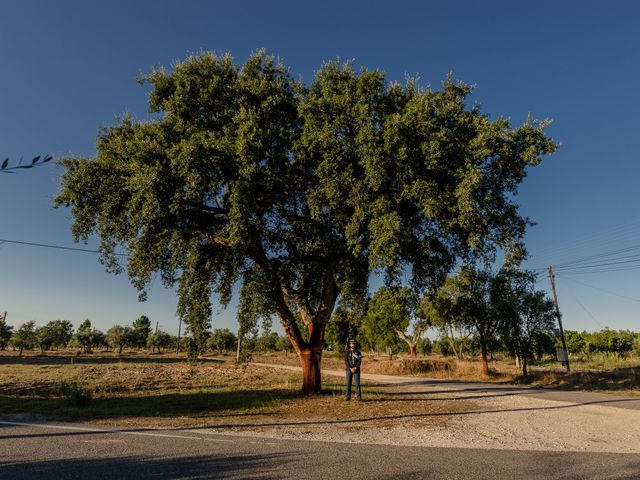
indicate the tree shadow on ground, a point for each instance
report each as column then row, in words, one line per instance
column 617, row 379
column 198, row 403
column 263, row 467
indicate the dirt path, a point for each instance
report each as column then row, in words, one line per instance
column 475, row 415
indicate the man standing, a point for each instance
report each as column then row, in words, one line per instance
column 352, row 362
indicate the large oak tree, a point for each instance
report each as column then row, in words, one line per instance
column 297, row 192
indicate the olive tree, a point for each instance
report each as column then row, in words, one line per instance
column 297, row 192
column 24, row 337
column 5, row 333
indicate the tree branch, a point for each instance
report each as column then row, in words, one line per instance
column 206, row 208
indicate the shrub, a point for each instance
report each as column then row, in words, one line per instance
column 424, row 346
column 442, row 347
column 74, row 391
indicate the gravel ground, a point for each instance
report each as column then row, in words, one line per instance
column 464, row 419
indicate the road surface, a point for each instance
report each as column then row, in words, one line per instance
column 30, row 451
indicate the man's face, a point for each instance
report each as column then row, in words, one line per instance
column 352, row 345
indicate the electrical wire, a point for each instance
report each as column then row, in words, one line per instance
column 602, row 289
column 606, row 237
column 601, row 256
column 59, row 247
column 588, row 312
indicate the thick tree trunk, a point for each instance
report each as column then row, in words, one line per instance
column 485, row 362
column 311, row 377
column 310, row 358
column 412, row 350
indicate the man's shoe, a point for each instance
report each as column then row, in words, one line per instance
column 359, row 399
column 347, row 399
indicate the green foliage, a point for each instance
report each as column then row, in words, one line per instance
column 24, row 337
column 119, row 337
column 5, row 334
column 266, row 343
column 55, row 334
column 221, row 340
column 424, row 346
column 283, row 344
column 36, row 161
column 345, row 323
column 159, row 340
column 387, row 313
column 88, row 337
column 576, row 341
column 530, row 319
column 443, row 347
column 74, row 391
column 619, row 342
column 502, row 305
column 298, row 192
column 471, row 300
column 141, row 331
column 44, row 337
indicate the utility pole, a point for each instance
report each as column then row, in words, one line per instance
column 178, row 342
column 565, row 352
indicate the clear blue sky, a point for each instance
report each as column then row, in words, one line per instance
column 69, row 66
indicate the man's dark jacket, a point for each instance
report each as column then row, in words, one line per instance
column 352, row 359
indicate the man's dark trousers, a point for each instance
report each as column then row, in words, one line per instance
column 356, row 376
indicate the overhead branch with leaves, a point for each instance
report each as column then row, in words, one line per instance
column 36, row 161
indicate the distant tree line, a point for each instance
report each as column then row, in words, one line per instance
column 476, row 313
column 60, row 334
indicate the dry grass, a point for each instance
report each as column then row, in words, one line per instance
column 163, row 391
column 432, row 366
column 142, row 389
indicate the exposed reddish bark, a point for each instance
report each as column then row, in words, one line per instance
column 412, row 350
column 311, row 378
column 310, row 358
column 485, row 361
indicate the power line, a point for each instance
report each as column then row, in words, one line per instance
column 602, row 270
column 588, row 312
column 602, row 289
column 606, row 236
column 600, row 256
column 59, row 247
column 602, row 264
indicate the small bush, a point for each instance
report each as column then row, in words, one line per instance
column 75, row 392
column 417, row 367
column 245, row 356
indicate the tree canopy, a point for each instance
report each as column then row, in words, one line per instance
column 298, row 192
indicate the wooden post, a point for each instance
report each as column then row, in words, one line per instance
column 555, row 301
column 178, row 342
column 238, row 349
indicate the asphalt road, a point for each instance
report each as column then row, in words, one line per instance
column 72, row 451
